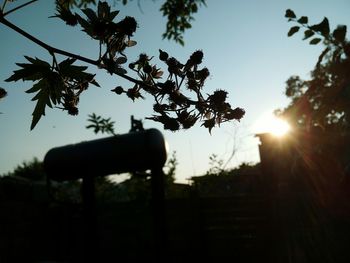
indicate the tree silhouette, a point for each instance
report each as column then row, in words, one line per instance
column 323, row 100
column 320, row 109
column 32, row 170
column 59, row 84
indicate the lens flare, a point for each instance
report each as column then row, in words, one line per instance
column 269, row 123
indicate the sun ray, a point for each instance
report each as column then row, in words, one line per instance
column 269, row 123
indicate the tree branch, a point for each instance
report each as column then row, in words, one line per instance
column 3, row 6
column 18, row 7
column 53, row 50
column 49, row 48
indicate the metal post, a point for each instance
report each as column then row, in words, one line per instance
column 90, row 220
column 158, row 209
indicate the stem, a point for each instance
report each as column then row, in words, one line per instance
column 3, row 6
column 154, row 83
column 156, row 98
column 103, row 56
column 198, row 115
column 182, row 79
column 176, row 81
column 18, row 7
column 54, row 60
column 100, row 53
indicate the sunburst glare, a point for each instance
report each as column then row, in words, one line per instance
column 269, row 123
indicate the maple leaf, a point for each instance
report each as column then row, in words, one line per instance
column 43, row 99
column 34, row 70
column 72, row 72
column 53, row 83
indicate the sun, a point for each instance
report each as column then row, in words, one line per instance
column 279, row 127
column 269, row 123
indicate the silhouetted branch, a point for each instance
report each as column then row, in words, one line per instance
column 62, row 83
column 53, row 50
column 18, row 7
column 49, row 48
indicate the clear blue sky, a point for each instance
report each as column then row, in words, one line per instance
column 246, row 49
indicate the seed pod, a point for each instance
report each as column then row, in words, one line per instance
column 3, row 93
column 119, row 90
column 147, row 69
column 163, row 56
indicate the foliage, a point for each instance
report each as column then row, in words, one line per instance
column 217, row 168
column 322, row 101
column 216, row 165
column 99, row 124
column 170, row 168
column 246, row 169
column 32, row 170
column 179, row 15
column 62, row 83
column 181, row 111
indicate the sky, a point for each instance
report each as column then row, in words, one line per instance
column 246, row 50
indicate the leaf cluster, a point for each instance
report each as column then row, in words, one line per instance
column 114, row 37
column 174, row 109
column 170, row 168
column 61, row 84
column 323, row 100
column 56, row 84
column 180, row 15
column 99, row 124
column 335, row 41
column 216, row 166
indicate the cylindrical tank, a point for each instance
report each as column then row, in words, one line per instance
column 135, row 151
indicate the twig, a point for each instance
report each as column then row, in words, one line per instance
column 100, row 52
column 182, row 79
column 54, row 61
column 53, row 50
column 177, row 83
column 18, row 7
column 3, row 6
column 49, row 48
